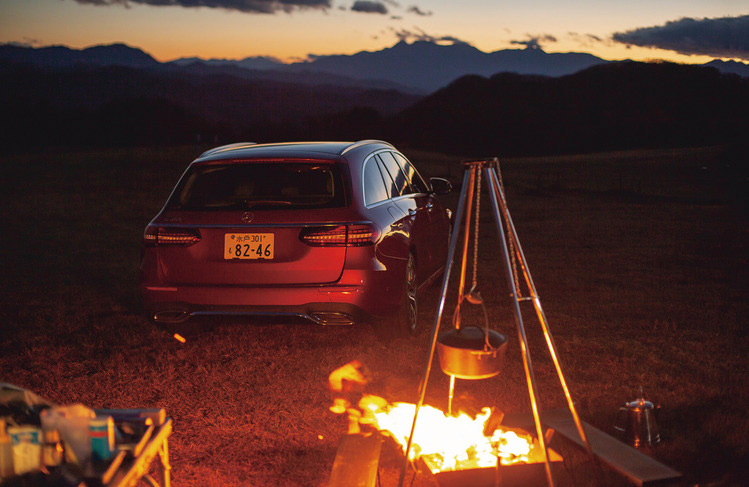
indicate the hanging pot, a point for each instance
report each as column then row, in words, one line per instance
column 463, row 352
column 471, row 352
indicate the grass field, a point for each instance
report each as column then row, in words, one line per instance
column 640, row 259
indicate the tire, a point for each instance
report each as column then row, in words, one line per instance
column 408, row 312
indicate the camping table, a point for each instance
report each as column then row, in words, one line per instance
column 127, row 470
column 129, row 467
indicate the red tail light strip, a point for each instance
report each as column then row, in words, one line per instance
column 170, row 236
column 353, row 235
column 324, row 236
column 360, row 235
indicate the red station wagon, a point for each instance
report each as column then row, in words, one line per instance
column 335, row 232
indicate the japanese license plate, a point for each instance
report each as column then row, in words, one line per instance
column 248, row 246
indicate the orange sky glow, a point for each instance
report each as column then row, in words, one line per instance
column 170, row 32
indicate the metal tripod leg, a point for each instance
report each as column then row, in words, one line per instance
column 497, row 188
column 435, row 329
column 490, row 173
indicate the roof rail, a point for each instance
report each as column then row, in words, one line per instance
column 238, row 145
column 365, row 142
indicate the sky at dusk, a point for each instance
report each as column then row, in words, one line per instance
column 690, row 31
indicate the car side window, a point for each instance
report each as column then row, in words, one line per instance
column 374, row 185
column 399, row 177
column 417, row 182
column 392, row 188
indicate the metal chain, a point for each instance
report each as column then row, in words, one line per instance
column 476, row 233
column 510, row 235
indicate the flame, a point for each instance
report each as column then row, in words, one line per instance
column 450, row 442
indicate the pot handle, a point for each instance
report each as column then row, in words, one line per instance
column 474, row 297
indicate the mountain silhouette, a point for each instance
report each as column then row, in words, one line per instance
column 428, row 66
column 622, row 105
column 732, row 67
column 421, row 67
column 61, row 56
column 424, row 66
column 255, row 63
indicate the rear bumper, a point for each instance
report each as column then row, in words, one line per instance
column 366, row 288
column 322, row 304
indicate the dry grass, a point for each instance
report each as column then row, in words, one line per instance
column 639, row 257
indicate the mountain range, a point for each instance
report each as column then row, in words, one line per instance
column 120, row 96
column 420, row 67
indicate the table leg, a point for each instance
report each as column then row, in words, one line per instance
column 165, row 470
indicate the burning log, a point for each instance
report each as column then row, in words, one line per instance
column 347, row 383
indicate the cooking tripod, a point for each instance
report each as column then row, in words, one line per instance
column 513, row 256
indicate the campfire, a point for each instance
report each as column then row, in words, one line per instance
column 443, row 443
column 447, row 442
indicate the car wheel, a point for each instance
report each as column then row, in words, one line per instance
column 409, row 307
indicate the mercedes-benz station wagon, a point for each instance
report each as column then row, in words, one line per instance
column 335, row 232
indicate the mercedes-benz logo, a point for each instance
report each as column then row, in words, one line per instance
column 247, row 216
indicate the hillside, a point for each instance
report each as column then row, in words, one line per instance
column 606, row 107
column 614, row 106
column 90, row 105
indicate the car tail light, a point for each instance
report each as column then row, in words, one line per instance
column 155, row 235
column 354, row 235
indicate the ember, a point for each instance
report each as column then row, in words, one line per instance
column 449, row 442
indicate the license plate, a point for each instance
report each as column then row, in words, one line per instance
column 248, row 246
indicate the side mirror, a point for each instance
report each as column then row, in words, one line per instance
column 440, row 185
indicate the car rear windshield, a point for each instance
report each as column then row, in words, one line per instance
column 261, row 185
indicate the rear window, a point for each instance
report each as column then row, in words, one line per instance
column 260, row 185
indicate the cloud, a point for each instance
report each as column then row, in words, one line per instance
column 248, row 6
column 420, row 35
column 588, row 40
column 585, row 37
column 718, row 37
column 416, row 10
column 534, row 42
column 369, row 7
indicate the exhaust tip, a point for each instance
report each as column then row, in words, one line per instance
column 171, row 316
column 332, row 319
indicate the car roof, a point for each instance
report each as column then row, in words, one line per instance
column 251, row 150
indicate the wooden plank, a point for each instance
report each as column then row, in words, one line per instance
column 636, row 466
column 356, row 461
